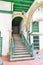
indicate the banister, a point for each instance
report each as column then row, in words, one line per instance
column 29, row 47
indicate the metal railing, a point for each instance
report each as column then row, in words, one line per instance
column 29, row 46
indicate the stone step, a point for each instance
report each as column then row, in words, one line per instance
column 23, row 45
column 19, row 43
column 19, row 47
column 20, row 50
column 21, row 59
column 23, row 53
column 19, row 56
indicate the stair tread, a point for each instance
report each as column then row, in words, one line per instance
column 18, row 59
column 21, row 53
column 28, row 55
column 20, row 50
column 19, row 44
column 20, row 47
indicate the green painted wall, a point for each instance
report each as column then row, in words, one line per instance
column 0, row 45
column 4, row 11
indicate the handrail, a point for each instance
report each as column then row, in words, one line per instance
column 29, row 47
column 26, row 42
column 11, row 48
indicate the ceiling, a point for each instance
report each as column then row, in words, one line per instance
column 21, row 5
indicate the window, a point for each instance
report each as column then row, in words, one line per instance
column 36, row 42
column 35, row 26
column 40, row 9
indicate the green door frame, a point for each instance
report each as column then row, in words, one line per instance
column 36, row 42
column 0, row 46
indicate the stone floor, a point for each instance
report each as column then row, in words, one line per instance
column 40, row 56
column 36, row 61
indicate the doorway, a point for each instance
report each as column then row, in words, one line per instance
column 36, row 42
column 16, row 25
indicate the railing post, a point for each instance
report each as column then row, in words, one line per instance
column 11, row 48
column 32, row 50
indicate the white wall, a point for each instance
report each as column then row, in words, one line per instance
column 41, row 42
column 38, row 16
column 21, row 24
column 21, row 28
column 5, row 25
column 5, row 5
column 41, row 32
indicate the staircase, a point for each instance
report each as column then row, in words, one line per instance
column 20, row 51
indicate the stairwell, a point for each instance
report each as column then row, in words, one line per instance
column 20, row 51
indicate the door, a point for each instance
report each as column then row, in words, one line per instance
column 0, row 45
column 36, row 42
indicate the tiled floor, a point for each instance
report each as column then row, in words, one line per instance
column 26, row 62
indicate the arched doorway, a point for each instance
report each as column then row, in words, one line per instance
column 17, row 22
column 17, row 25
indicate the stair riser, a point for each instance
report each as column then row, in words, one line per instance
column 22, row 59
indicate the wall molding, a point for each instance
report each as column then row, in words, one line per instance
column 7, row 1
column 5, row 11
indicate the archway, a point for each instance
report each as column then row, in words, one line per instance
column 32, row 10
column 22, row 16
column 16, row 25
